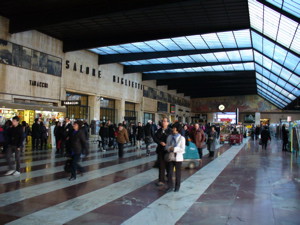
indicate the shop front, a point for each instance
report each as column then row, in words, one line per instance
column 130, row 113
column 77, row 106
column 147, row 117
column 29, row 112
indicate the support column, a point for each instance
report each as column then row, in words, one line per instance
column 257, row 118
column 94, row 107
column 120, row 106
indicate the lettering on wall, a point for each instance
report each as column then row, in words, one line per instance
column 83, row 69
column 38, row 84
column 127, row 82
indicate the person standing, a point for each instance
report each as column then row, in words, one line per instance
column 132, row 134
column 198, row 137
column 212, row 141
column 7, row 125
column 58, row 133
column 160, row 138
column 104, row 134
column 139, row 135
column 68, row 130
column 285, row 138
column 175, row 143
column 15, row 140
column 122, row 138
column 149, row 135
column 265, row 137
column 44, row 136
column 111, row 134
column 36, row 134
column 77, row 142
column 257, row 132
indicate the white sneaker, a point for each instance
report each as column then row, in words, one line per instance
column 16, row 173
column 10, row 172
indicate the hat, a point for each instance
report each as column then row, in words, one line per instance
column 149, row 121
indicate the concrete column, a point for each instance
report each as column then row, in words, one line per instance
column 120, row 106
column 94, row 105
column 257, row 118
column 140, row 113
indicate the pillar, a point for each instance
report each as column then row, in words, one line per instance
column 94, row 107
column 120, row 106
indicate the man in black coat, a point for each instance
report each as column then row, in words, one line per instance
column 68, row 130
column 36, row 134
column 15, row 140
column 160, row 138
column 265, row 137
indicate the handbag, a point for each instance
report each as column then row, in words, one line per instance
column 170, row 156
column 148, row 139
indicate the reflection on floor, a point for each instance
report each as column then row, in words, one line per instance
column 243, row 185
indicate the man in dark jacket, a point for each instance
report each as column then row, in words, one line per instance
column 265, row 137
column 160, row 138
column 149, row 135
column 15, row 141
column 77, row 142
column 36, row 133
column 68, row 130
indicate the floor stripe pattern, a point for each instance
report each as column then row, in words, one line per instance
column 111, row 191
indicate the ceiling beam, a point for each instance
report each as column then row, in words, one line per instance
column 217, row 86
column 116, row 58
column 106, row 39
column 217, row 75
column 156, row 67
column 67, row 11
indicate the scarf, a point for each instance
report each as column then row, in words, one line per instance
column 174, row 137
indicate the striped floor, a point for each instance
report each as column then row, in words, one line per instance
column 243, row 185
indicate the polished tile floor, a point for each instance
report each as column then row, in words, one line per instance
column 243, row 185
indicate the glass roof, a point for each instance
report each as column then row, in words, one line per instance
column 229, row 39
column 217, row 68
column 275, row 25
column 274, row 51
column 290, row 6
column 226, row 56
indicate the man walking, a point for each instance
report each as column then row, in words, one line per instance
column 15, row 140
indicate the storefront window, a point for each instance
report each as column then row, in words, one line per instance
column 78, row 111
column 108, row 110
column 130, row 113
column 148, row 116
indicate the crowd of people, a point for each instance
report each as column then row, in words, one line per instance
column 72, row 140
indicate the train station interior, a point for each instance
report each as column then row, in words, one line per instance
column 140, row 112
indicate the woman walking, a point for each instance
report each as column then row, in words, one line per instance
column 212, row 142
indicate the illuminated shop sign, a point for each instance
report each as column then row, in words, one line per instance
column 70, row 103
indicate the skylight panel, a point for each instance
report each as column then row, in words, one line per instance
column 247, row 55
column 295, row 80
column 290, row 6
column 238, row 66
column 234, row 56
column 279, row 54
column 156, row 45
column 198, row 69
column 131, row 48
column 296, row 42
column 256, row 15
column 186, row 59
column 197, row 42
column 243, row 38
column 271, row 22
column 212, row 40
column 169, row 44
column 228, row 67
column 207, row 68
column 249, row 66
column 286, row 32
column 164, row 60
column 154, row 61
column 183, row 43
column 218, row 68
column 175, row 59
column 227, row 39
column 198, row 58
column 291, row 61
column 118, row 49
column 141, row 46
column 268, row 48
column 210, row 57
column 108, row 50
column 221, row 56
